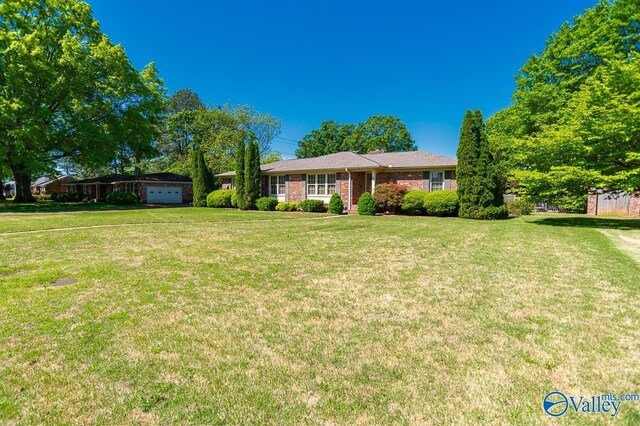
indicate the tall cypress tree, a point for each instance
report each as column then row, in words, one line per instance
column 478, row 189
column 240, row 193
column 207, row 176
column 202, row 178
column 252, row 174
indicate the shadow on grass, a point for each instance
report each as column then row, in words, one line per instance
column 590, row 222
column 52, row 207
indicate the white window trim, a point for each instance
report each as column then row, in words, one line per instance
column 327, row 193
column 431, row 180
column 281, row 186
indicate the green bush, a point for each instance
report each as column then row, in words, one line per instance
column 389, row 197
column 43, row 197
column 123, row 198
column 67, row 197
column 287, row 206
column 221, row 198
column 234, row 198
column 366, row 204
column 488, row 213
column 315, row 206
column 267, row 204
column 413, row 202
column 441, row 203
column 335, row 205
column 519, row 206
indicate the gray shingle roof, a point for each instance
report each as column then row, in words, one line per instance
column 409, row 159
column 351, row 160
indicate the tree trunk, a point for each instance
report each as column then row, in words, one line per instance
column 23, row 186
column 2, row 197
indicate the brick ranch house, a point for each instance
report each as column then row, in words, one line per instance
column 350, row 174
column 152, row 188
column 45, row 185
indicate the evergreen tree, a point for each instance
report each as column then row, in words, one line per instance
column 202, row 179
column 207, row 176
column 240, row 153
column 252, row 174
column 478, row 189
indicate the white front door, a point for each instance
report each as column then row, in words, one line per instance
column 164, row 194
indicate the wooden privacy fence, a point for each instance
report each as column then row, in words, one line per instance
column 613, row 204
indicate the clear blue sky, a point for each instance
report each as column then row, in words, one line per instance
column 306, row 62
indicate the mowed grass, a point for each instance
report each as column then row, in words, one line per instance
column 207, row 316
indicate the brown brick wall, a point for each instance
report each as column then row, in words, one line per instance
column 57, row 186
column 409, row 180
column 295, row 189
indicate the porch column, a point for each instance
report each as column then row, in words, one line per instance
column 373, row 182
column 97, row 191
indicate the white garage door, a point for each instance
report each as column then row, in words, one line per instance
column 164, row 195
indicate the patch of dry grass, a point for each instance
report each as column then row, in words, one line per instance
column 349, row 321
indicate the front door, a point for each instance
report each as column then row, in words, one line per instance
column 367, row 182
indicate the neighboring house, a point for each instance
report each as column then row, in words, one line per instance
column 152, row 188
column 624, row 204
column 9, row 188
column 350, row 175
column 45, row 185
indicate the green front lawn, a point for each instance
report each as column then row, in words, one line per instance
column 190, row 315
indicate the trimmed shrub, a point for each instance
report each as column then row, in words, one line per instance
column 267, row 204
column 287, row 206
column 519, row 207
column 335, row 205
column 366, row 204
column 67, row 197
column 413, row 202
column 234, row 198
column 221, row 198
column 123, row 198
column 441, row 203
column 314, row 206
column 488, row 213
column 388, row 197
column 43, row 197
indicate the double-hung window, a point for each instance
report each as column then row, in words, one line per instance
column 321, row 184
column 277, row 185
column 437, row 181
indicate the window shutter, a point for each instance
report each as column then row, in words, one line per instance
column 286, row 187
column 425, row 180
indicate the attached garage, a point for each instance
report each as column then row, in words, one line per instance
column 164, row 194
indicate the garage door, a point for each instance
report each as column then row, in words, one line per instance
column 164, row 195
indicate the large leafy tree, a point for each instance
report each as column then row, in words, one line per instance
column 327, row 139
column 67, row 92
column 575, row 121
column 379, row 132
column 478, row 191
column 175, row 144
column 263, row 126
